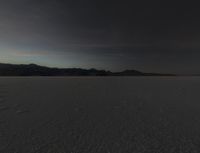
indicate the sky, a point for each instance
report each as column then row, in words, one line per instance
column 151, row 36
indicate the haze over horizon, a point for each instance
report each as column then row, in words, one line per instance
column 150, row 36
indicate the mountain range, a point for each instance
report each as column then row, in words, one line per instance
column 37, row 70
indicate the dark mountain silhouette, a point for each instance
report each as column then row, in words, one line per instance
column 37, row 70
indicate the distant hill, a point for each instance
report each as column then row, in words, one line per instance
column 37, row 70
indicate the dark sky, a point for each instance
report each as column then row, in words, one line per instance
column 158, row 36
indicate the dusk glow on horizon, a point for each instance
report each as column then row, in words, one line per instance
column 151, row 36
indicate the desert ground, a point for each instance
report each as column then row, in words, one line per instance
column 100, row 115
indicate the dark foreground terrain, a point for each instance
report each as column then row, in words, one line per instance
column 100, row 115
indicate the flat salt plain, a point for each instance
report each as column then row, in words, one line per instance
column 100, row 115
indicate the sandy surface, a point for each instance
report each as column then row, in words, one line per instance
column 100, row 115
